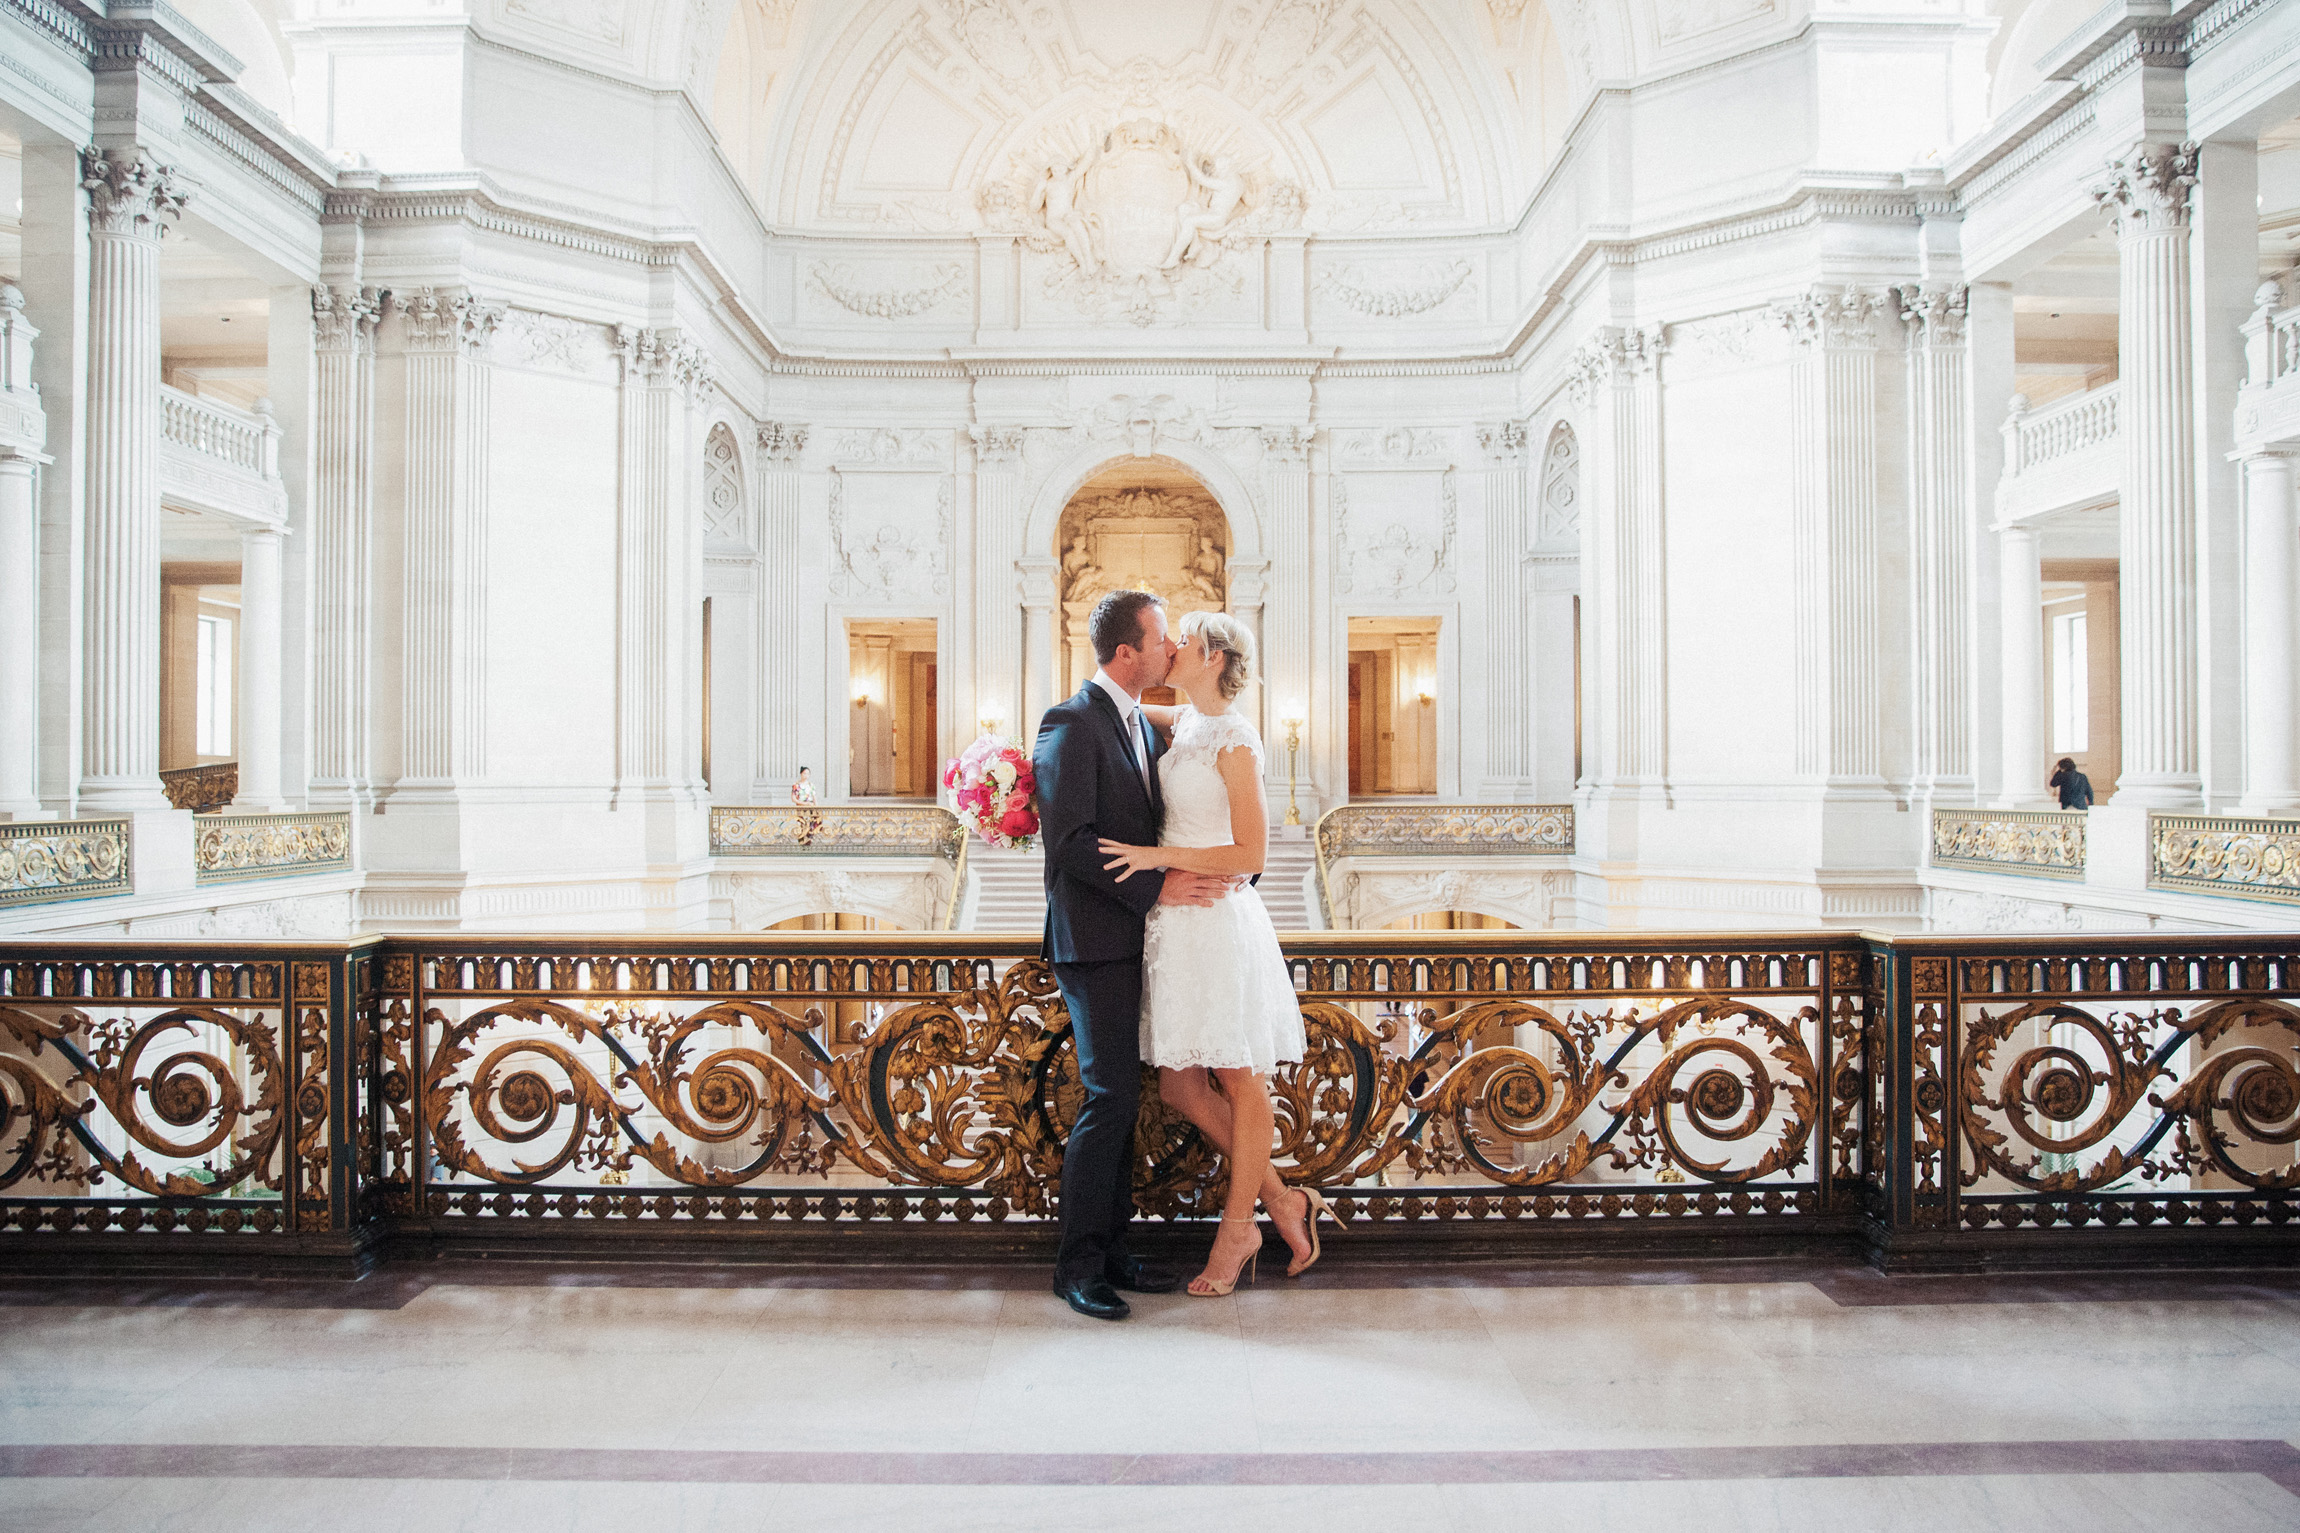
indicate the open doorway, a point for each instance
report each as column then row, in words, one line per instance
column 892, row 727
column 1144, row 525
column 1393, row 705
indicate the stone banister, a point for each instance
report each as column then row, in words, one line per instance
column 2061, row 454
column 214, row 457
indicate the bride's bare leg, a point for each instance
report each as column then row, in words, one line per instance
column 1191, row 1093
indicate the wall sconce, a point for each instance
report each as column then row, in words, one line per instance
column 992, row 720
column 1426, row 691
column 862, row 697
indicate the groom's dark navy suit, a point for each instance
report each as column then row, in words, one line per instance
column 1090, row 788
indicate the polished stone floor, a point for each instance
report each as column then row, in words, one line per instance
column 1578, row 1397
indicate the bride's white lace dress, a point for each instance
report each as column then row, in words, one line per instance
column 1215, row 991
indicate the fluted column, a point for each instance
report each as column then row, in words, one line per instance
column 997, row 681
column 259, row 726
column 444, row 669
column 661, row 374
column 2147, row 193
column 781, row 444
column 23, row 432
column 1508, row 702
column 343, row 450
column 1833, row 498
column 2271, row 636
column 1618, row 375
column 2020, row 603
column 1940, row 542
column 131, row 202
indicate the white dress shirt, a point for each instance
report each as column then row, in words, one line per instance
column 1129, row 713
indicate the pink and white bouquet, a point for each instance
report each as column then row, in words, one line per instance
column 994, row 790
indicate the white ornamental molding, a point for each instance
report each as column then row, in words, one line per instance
column 1934, row 314
column 1426, row 286
column 1502, row 443
column 1836, row 319
column 312, row 916
column 781, row 443
column 997, row 447
column 845, row 287
column 457, row 322
column 130, row 194
column 660, row 359
column 548, row 343
column 912, row 901
column 344, row 318
column 1616, row 354
column 1397, row 445
column 1142, row 421
column 2147, row 190
column 889, row 447
column 1136, row 206
column 1370, row 898
column 1285, row 446
column 1395, row 560
column 1560, row 500
column 888, row 561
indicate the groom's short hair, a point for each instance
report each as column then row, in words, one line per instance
column 1117, row 620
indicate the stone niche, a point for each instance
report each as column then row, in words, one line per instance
column 1147, row 525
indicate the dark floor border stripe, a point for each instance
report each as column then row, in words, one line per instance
column 2278, row 1461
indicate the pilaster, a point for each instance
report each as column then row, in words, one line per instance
column 1618, row 375
column 344, row 321
column 1833, row 494
column 1286, row 622
column 997, row 616
column 2020, row 606
column 782, row 620
column 2271, row 611
column 1941, row 552
column 1508, row 703
column 23, row 433
column 260, row 655
column 54, row 278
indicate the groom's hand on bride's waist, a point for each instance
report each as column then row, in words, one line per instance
column 1193, row 888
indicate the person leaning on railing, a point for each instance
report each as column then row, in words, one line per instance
column 803, row 795
column 2075, row 788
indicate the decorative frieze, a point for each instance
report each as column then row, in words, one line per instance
column 242, row 846
column 2251, row 859
column 835, row 831
column 1447, row 830
column 62, row 860
column 2040, row 843
column 847, row 288
column 1419, row 289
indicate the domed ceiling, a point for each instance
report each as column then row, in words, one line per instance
column 943, row 115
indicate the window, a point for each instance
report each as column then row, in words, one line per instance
column 212, row 689
column 2071, row 702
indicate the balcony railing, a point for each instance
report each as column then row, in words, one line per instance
column 1936, row 1100
column 2214, row 854
column 2062, row 454
column 61, row 860
column 229, row 848
column 1438, row 830
column 847, row 830
column 216, row 458
column 2038, row 843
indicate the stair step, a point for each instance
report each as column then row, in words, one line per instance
column 1010, row 888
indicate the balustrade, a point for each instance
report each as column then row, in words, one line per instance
column 239, row 846
column 2034, row 438
column 1438, row 830
column 201, row 789
column 2040, row 843
column 62, row 860
column 820, row 1093
column 218, row 458
column 2253, row 859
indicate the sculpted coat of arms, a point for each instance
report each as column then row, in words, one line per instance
column 1140, row 211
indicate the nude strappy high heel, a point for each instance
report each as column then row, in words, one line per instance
column 1316, row 1206
column 1247, row 1270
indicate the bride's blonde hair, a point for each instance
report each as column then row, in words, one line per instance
column 1229, row 636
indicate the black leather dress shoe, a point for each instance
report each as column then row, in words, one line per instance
column 1093, row 1297
column 1133, row 1274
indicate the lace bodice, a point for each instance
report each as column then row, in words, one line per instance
column 1197, row 800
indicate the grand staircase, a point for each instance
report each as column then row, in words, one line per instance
column 1010, row 888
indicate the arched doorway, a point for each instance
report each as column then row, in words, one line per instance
column 1148, row 524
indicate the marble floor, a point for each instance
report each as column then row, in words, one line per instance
column 1762, row 1397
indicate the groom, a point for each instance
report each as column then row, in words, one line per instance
column 1096, row 762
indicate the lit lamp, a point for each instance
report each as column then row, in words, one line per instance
column 862, row 695
column 1293, row 723
column 993, row 719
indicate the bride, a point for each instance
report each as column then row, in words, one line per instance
column 1217, row 1003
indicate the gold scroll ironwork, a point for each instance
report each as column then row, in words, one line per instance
column 2250, row 859
column 2040, row 843
column 43, row 860
column 228, row 848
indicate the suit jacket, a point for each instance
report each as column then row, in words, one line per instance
column 1089, row 790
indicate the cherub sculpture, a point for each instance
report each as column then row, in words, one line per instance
column 1219, row 180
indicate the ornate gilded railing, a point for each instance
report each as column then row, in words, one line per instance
column 43, row 860
column 843, row 830
column 2214, row 854
column 2038, row 843
column 1438, row 830
column 202, row 789
column 1932, row 1099
column 238, row 846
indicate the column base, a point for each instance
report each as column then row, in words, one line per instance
column 101, row 796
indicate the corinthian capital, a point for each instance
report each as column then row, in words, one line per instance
column 459, row 322
column 2147, row 190
column 1830, row 317
column 1502, row 442
column 129, row 194
column 344, row 318
column 997, row 446
column 782, row 442
column 1285, row 444
column 1937, row 313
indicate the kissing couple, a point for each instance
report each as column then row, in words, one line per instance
column 1155, row 827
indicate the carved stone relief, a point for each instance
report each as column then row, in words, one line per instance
column 1387, row 544
column 917, row 290
column 1416, row 288
column 1560, row 503
column 910, row 901
column 1397, row 445
column 1366, row 899
column 523, row 338
column 885, row 445
column 890, row 543
column 725, row 516
column 1175, row 545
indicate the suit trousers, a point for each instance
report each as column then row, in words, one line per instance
column 1105, row 1004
